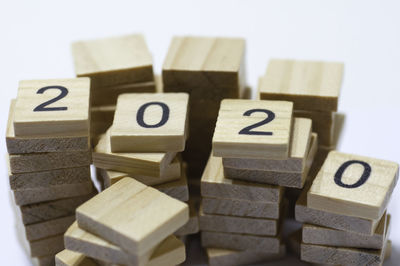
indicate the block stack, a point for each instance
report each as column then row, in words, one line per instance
column 129, row 223
column 115, row 65
column 49, row 159
column 263, row 149
column 344, row 211
column 209, row 69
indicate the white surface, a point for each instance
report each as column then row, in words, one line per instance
column 36, row 35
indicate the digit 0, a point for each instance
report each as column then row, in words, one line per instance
column 164, row 117
column 364, row 177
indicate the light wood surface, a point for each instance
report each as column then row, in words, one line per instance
column 215, row 184
column 311, row 85
column 192, row 226
column 132, row 215
column 72, row 258
column 30, row 120
column 115, row 60
column 349, row 195
column 233, row 119
column 49, row 228
column 150, row 122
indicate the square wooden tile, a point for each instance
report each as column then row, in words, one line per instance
column 345, row 183
column 150, row 122
column 253, row 129
column 52, row 107
column 48, row 228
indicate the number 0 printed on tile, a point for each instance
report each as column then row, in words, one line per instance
column 253, row 129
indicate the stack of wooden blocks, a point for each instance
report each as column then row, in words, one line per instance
column 115, row 66
column 49, row 160
column 209, row 69
column 344, row 211
column 127, row 224
column 263, row 149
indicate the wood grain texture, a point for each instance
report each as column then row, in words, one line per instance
column 326, row 194
column 228, row 142
column 72, row 121
column 132, row 215
column 299, row 147
column 49, row 228
column 177, row 189
column 192, row 226
column 111, row 61
column 135, row 127
column 47, row 246
column 310, row 85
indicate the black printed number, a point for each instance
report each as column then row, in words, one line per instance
column 249, row 130
column 364, row 177
column 43, row 107
column 164, row 117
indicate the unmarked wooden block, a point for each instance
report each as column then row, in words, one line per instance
column 71, row 258
column 240, row 241
column 192, row 226
column 310, row 85
column 300, row 144
column 144, row 164
column 150, row 122
column 46, row 246
column 52, row 107
column 50, row 228
column 111, row 61
column 318, row 235
column 253, row 129
column 214, row 184
column 44, row 261
column 132, row 215
column 345, row 183
column 177, row 189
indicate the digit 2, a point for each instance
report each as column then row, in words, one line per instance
column 364, row 177
column 164, row 117
column 269, row 118
column 43, row 107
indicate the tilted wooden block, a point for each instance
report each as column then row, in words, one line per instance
column 192, row 226
column 345, row 183
column 253, row 129
column 144, row 164
column 300, row 144
column 46, row 246
column 310, row 85
column 150, row 122
column 71, row 258
column 317, row 235
column 215, row 184
column 111, row 61
column 52, row 107
column 132, row 215
column 50, row 228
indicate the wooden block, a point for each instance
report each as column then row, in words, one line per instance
column 305, row 214
column 300, row 144
column 124, row 215
column 47, row 246
column 150, row 122
column 46, row 211
column 192, row 226
column 52, row 107
column 226, row 257
column 35, row 162
column 112, row 61
column 286, row 179
column 317, row 235
column 50, row 228
column 310, row 85
column 177, row 189
column 103, row 113
column 345, row 183
column 44, row 261
column 253, row 129
column 159, row 83
column 240, row 241
column 214, row 184
column 323, row 124
column 72, row 258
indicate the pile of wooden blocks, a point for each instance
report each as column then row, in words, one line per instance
column 344, row 211
column 209, row 69
column 48, row 142
column 127, row 224
column 263, row 149
column 115, row 66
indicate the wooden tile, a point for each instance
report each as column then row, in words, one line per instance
column 345, row 183
column 177, row 189
column 128, row 220
column 318, row 235
column 72, row 258
column 300, row 144
column 310, row 85
column 46, row 246
column 214, row 184
column 253, row 129
column 103, row 113
column 50, row 228
column 52, row 107
column 150, row 122
column 111, row 61
column 240, row 241
column 323, row 124
column 147, row 164
column 192, row 226
column 44, row 261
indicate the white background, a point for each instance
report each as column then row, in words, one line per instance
column 36, row 36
